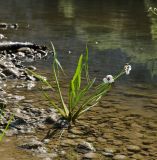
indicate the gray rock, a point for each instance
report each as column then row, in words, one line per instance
column 107, row 154
column 85, row 147
column 51, row 118
column 11, row 132
column 32, row 144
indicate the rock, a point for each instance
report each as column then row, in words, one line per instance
column 68, row 142
column 102, row 140
column 147, row 142
column 2, row 36
column 90, row 155
column 47, row 156
column 32, row 144
column 133, row 148
column 51, row 118
column 91, row 139
column 3, row 103
column 107, row 154
column 85, row 147
column 137, row 157
column 120, row 157
column 13, row 53
column 110, row 150
column 19, row 123
column 76, row 131
column 46, row 141
column 25, row 50
column 62, row 123
column 32, row 68
column 11, row 132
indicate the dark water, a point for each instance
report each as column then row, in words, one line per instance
column 116, row 32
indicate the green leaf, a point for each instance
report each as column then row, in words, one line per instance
column 83, row 92
column 76, row 80
column 6, row 128
column 56, row 65
column 41, row 78
column 86, row 65
column 75, row 83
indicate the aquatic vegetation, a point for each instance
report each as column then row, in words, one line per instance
column 108, row 79
column 81, row 97
column 153, row 10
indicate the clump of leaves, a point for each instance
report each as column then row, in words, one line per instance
column 81, row 97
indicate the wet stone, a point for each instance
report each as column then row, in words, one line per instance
column 76, row 131
column 110, row 150
column 91, row 139
column 102, row 140
column 51, row 119
column 138, row 157
column 46, row 141
column 133, row 148
column 11, row 132
column 147, row 142
column 85, row 147
column 68, row 142
column 32, row 144
column 107, row 154
column 90, row 155
column 120, row 157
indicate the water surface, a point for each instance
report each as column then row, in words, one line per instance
column 117, row 32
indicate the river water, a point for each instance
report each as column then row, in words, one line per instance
column 116, row 32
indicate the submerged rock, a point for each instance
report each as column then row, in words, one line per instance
column 32, row 144
column 5, row 26
column 120, row 157
column 85, row 147
column 133, row 148
column 90, row 155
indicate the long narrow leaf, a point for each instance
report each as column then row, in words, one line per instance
column 75, row 83
column 86, row 65
column 55, row 66
column 42, row 79
column 6, row 128
column 83, row 92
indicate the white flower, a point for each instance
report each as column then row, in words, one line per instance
column 127, row 69
column 108, row 79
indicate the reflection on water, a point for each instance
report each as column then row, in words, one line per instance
column 116, row 31
column 67, row 8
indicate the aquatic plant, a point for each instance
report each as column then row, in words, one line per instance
column 153, row 10
column 81, row 97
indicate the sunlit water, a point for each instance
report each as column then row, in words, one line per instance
column 117, row 32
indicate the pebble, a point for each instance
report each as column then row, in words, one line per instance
column 120, row 157
column 32, row 144
column 133, row 148
column 90, row 155
column 85, row 147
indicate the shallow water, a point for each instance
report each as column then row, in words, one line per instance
column 117, row 32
